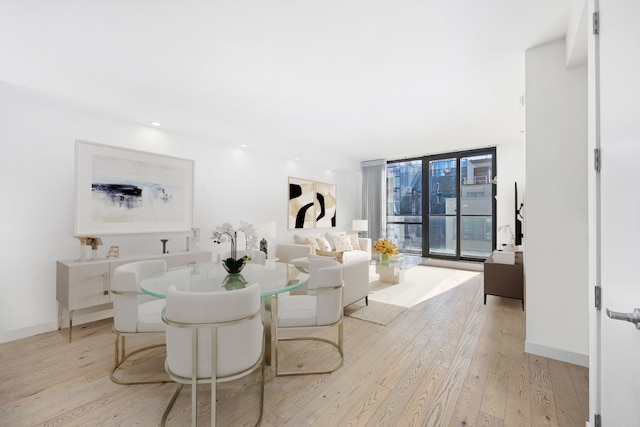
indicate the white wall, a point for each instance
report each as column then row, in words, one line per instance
column 511, row 169
column 556, row 262
column 37, row 135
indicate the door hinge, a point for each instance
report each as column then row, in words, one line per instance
column 596, row 420
column 598, row 297
column 596, row 23
column 596, row 159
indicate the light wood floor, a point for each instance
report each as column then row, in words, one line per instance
column 449, row 361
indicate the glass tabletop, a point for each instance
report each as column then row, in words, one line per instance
column 273, row 277
column 402, row 262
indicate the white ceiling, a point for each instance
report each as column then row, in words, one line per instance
column 367, row 78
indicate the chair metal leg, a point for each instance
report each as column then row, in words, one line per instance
column 121, row 356
column 173, row 400
column 339, row 346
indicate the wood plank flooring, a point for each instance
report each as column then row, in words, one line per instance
column 449, row 361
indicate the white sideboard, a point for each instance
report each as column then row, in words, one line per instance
column 87, row 285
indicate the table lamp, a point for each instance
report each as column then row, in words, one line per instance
column 361, row 226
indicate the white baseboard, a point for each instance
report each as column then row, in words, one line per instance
column 557, row 354
column 78, row 319
column 460, row 265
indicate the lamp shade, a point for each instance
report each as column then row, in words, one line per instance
column 265, row 228
column 360, row 225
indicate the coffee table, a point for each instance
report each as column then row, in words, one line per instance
column 394, row 271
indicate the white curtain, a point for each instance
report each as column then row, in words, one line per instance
column 374, row 191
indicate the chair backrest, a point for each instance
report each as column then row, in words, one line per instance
column 329, row 295
column 238, row 345
column 315, row 264
column 125, row 289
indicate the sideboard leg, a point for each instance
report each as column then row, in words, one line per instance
column 70, row 323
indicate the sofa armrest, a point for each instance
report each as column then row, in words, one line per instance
column 288, row 251
column 365, row 245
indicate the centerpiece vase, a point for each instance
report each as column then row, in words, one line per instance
column 384, row 259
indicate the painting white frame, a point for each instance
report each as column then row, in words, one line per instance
column 158, row 196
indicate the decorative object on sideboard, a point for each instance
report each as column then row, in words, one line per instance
column 265, row 229
column 193, row 239
column 164, row 245
column 224, row 233
column 361, row 226
column 385, row 248
column 114, row 252
column 83, row 247
column 94, row 242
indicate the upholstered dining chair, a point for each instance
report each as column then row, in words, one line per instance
column 300, row 313
column 134, row 312
column 213, row 337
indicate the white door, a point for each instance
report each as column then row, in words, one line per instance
column 615, row 386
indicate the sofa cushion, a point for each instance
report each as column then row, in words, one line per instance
column 355, row 256
column 312, row 242
column 355, row 242
column 324, row 244
column 342, row 243
column 338, row 255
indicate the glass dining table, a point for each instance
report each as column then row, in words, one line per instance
column 273, row 277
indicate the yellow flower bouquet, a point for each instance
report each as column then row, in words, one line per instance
column 385, row 248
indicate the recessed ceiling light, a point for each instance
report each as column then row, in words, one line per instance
column 296, row 159
column 243, row 145
column 155, row 123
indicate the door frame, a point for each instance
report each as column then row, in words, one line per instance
column 593, row 189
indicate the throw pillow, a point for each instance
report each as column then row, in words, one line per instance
column 342, row 243
column 338, row 255
column 330, row 235
column 312, row 242
column 323, row 244
column 300, row 238
column 355, row 243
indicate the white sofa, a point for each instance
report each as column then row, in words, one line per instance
column 355, row 262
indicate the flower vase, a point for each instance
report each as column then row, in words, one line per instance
column 233, row 266
column 384, row 259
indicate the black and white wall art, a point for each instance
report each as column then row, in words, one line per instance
column 311, row 204
column 325, row 205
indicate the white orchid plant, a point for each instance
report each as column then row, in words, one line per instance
column 225, row 232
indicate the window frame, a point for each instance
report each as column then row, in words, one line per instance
column 426, row 214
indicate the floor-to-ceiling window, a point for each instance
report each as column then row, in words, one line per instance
column 404, row 205
column 457, row 210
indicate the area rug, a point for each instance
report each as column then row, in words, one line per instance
column 387, row 301
column 376, row 312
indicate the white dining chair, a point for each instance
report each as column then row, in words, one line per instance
column 213, row 337
column 295, row 314
column 134, row 312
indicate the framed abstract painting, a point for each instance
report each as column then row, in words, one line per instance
column 301, row 204
column 325, row 205
column 122, row 191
